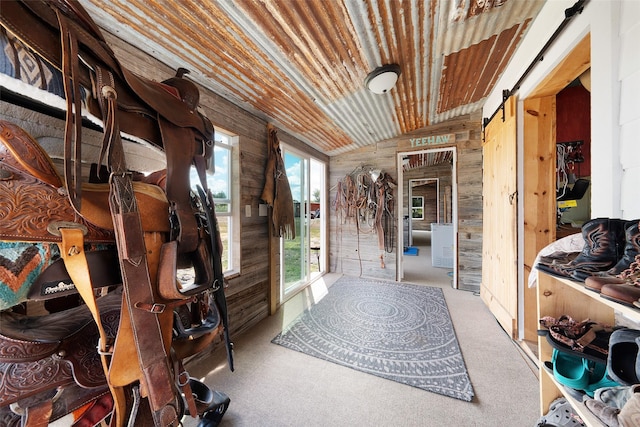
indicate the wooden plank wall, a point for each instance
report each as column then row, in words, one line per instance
column 443, row 173
column 357, row 254
column 470, row 211
column 354, row 250
column 430, row 211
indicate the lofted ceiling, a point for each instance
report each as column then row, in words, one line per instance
column 301, row 64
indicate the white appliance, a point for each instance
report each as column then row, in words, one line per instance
column 442, row 245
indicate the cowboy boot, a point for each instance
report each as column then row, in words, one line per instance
column 619, row 243
column 627, row 277
column 631, row 247
column 604, row 239
column 619, row 272
column 629, row 415
column 623, row 288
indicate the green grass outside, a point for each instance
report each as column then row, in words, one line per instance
column 292, row 253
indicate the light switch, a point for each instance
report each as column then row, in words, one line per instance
column 247, row 211
column 262, row 209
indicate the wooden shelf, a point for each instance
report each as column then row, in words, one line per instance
column 630, row 312
column 558, row 296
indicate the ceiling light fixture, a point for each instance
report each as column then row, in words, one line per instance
column 382, row 79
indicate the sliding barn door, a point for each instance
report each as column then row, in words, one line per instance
column 499, row 288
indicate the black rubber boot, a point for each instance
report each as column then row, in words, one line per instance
column 604, row 245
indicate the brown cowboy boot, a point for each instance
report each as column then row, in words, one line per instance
column 620, row 271
column 604, row 241
column 623, row 288
column 627, row 246
column 628, row 276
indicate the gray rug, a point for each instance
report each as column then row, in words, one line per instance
column 396, row 331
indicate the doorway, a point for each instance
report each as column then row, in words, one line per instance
column 303, row 258
column 544, row 130
column 427, row 215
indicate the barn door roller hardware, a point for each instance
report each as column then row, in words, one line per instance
column 569, row 13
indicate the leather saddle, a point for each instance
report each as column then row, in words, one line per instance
column 57, row 351
column 34, row 197
column 144, row 232
column 163, row 113
column 43, row 356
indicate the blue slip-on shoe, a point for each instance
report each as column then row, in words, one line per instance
column 571, row 371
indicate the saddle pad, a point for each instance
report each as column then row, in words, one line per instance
column 20, row 265
column 20, row 63
column 22, row 262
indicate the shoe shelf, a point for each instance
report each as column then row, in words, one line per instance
column 558, row 296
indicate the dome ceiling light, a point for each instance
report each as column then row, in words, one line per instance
column 382, row 79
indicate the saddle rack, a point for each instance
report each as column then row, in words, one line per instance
column 138, row 323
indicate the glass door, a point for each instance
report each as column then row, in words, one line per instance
column 303, row 257
column 317, row 226
column 295, row 253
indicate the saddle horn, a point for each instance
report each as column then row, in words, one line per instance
column 189, row 92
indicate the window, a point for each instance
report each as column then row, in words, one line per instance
column 417, row 207
column 224, row 188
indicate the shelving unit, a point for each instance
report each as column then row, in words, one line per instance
column 557, row 296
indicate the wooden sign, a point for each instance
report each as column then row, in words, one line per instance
column 427, row 141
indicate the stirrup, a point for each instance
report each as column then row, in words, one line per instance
column 213, row 415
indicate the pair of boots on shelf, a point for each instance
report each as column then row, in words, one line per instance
column 609, row 262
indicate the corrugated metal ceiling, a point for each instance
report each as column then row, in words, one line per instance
column 418, row 161
column 301, row 64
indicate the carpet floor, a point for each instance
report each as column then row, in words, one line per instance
column 398, row 331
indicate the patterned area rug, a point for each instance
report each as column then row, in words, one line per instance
column 396, row 331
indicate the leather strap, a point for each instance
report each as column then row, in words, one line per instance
column 179, row 159
column 152, row 357
column 220, row 298
column 73, row 124
column 38, row 415
column 185, row 386
column 157, row 380
column 75, row 261
column 103, row 269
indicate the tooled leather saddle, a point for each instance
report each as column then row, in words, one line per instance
column 118, row 351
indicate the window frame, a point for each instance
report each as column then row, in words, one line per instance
column 224, row 140
column 417, row 208
column 232, row 199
